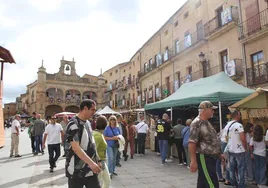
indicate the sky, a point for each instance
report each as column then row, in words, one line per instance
column 98, row 34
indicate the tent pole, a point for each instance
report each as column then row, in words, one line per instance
column 220, row 115
column 171, row 115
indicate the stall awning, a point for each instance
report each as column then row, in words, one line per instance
column 215, row 88
column 5, row 56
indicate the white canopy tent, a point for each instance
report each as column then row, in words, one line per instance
column 107, row 110
column 69, row 114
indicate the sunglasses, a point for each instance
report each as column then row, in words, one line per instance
column 112, row 120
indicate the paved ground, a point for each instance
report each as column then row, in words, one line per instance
column 142, row 172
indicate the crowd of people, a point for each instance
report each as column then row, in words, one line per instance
column 94, row 145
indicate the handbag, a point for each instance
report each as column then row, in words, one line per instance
column 116, row 141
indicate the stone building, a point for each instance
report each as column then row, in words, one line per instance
column 62, row 91
column 10, row 109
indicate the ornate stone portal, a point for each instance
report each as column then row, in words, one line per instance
column 62, row 91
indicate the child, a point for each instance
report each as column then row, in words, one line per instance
column 101, row 147
column 258, row 152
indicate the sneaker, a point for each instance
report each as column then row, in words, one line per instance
column 138, row 155
column 118, row 165
column 35, row 153
column 111, row 176
column 180, row 164
column 168, row 160
column 158, row 154
column 171, row 157
column 18, row 156
column 185, row 163
column 115, row 174
column 163, row 164
column 131, row 157
column 125, row 157
column 188, row 167
column 142, row 155
column 51, row 170
column 221, row 180
column 227, row 184
column 11, row 155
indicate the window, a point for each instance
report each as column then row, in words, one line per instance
column 186, row 14
column 188, row 77
column 124, row 70
column 257, row 64
column 218, row 14
column 151, row 63
column 146, row 67
column 224, row 58
column 198, row 4
column 111, row 74
column 166, row 32
column 177, row 82
column 166, row 54
column 177, row 46
column 116, row 71
column 176, row 23
column 116, row 83
column 187, row 39
column 200, row 30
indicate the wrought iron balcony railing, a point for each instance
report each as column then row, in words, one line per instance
column 254, row 24
column 228, row 15
column 257, row 74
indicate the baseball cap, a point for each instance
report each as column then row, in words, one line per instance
column 206, row 104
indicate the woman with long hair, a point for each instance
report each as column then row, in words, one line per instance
column 101, row 147
column 250, row 163
column 111, row 133
column 258, row 152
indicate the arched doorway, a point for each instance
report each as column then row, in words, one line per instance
column 53, row 109
column 74, row 109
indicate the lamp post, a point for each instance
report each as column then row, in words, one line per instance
column 204, row 62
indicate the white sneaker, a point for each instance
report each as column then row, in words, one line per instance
column 180, row 164
column 138, row 155
column 168, row 160
column 158, row 154
column 142, row 155
column 171, row 157
column 188, row 167
column 185, row 163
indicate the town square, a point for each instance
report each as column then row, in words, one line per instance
column 141, row 93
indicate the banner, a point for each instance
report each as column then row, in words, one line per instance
column 229, row 68
column 150, row 93
column 226, row 16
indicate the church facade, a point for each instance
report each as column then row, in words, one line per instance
column 61, row 91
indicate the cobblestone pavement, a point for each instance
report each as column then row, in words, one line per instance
column 141, row 172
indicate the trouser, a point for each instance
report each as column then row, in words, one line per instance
column 33, row 143
column 14, row 144
column 136, row 145
column 54, row 153
column 88, row 182
column 126, row 147
column 180, row 149
column 104, row 176
column 156, row 145
column 131, row 145
column 118, row 157
column 260, row 168
column 218, row 169
column 207, row 177
column 187, row 155
column 237, row 164
column 163, row 147
column 227, row 174
column 112, row 153
column 141, row 143
column 249, row 167
column 38, row 143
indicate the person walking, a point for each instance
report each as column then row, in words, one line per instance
column 81, row 165
column 185, row 136
column 101, row 147
column 177, row 129
column 30, row 124
column 124, row 131
column 64, row 123
column 142, row 130
column 236, row 146
column 15, row 139
column 132, row 134
column 53, row 135
column 111, row 134
column 163, row 130
column 37, row 131
column 204, row 147
column 258, row 153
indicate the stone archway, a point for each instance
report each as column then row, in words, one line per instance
column 74, row 109
column 53, row 109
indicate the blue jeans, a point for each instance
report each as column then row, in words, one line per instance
column 38, row 143
column 118, row 158
column 163, row 147
column 112, row 153
column 237, row 162
column 260, row 168
column 218, row 169
column 223, row 145
column 249, row 167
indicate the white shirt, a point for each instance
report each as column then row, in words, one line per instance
column 234, row 142
column 266, row 136
column 142, row 127
column 259, row 148
column 15, row 123
column 53, row 133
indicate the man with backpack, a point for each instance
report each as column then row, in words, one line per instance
column 82, row 167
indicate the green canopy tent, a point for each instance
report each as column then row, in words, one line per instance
column 217, row 88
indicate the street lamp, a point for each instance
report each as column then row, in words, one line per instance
column 205, row 63
column 202, row 57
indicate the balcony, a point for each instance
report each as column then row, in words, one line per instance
column 257, row 74
column 221, row 23
column 110, row 87
column 60, row 101
column 188, row 43
column 254, row 27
